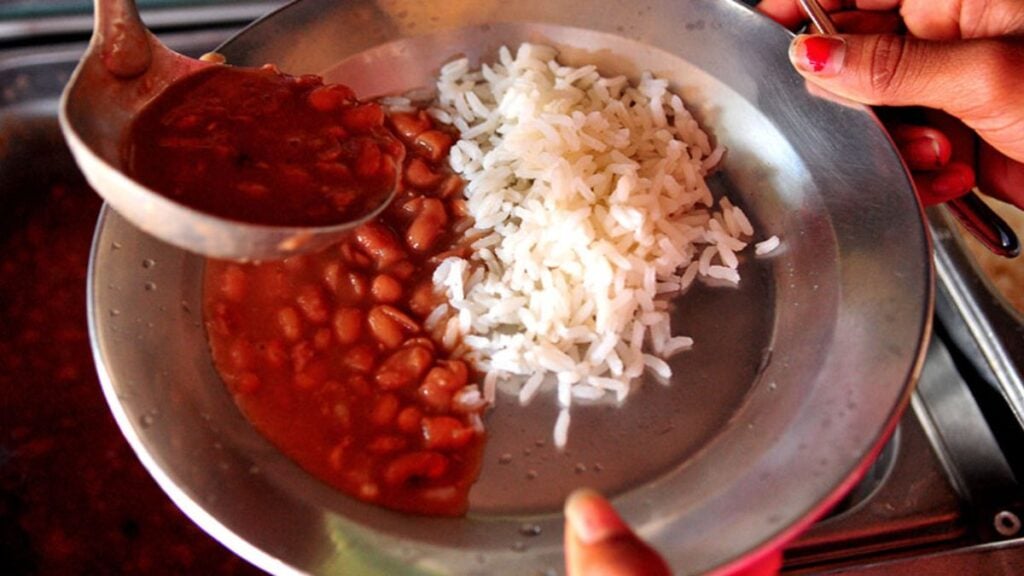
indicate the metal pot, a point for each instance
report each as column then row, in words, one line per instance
column 796, row 380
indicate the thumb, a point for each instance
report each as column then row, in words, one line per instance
column 599, row 543
column 964, row 78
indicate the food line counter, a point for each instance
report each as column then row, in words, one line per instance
column 943, row 497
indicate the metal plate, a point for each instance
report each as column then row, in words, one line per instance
column 797, row 377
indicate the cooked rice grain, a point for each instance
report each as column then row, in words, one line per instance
column 590, row 199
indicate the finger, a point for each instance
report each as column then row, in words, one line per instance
column 599, row 543
column 932, row 20
column 1000, row 177
column 922, row 147
column 952, row 181
column 867, row 22
column 791, row 15
column 977, row 81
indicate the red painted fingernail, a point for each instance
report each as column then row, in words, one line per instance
column 592, row 517
column 922, row 153
column 818, row 55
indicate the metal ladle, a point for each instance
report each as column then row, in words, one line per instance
column 124, row 68
column 972, row 213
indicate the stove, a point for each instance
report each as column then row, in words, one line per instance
column 945, row 495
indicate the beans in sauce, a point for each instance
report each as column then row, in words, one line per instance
column 328, row 356
column 263, row 147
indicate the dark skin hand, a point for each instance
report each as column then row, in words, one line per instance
column 948, row 73
column 599, row 543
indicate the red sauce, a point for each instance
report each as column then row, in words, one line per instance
column 263, row 147
column 327, row 354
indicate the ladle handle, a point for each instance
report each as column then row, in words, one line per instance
column 123, row 41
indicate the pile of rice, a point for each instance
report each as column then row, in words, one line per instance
column 591, row 209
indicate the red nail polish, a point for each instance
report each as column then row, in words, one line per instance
column 818, row 55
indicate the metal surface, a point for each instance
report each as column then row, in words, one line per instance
column 819, row 18
column 796, row 380
column 991, row 324
column 124, row 68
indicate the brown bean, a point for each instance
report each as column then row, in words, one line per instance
column 443, row 379
column 223, row 320
column 359, row 384
column 247, row 383
column 427, row 226
column 314, row 375
column 241, row 354
column 232, row 283
column 401, row 317
column 290, row 323
column 445, row 433
column 313, row 303
column 409, row 420
column 387, row 444
column 369, row 491
column 322, row 339
column 441, row 497
column 386, row 289
column 423, row 299
column 420, row 341
column 354, row 256
column 368, row 163
column 419, row 174
column 411, row 207
column 434, row 143
column 404, row 367
column 330, row 97
column 332, row 276
column 421, row 464
column 459, row 370
column 409, row 125
column 342, row 413
column 275, row 353
column 433, row 397
column 301, row 354
column 380, row 243
column 458, row 207
column 359, row 358
column 356, row 285
column 348, row 325
column 295, row 263
column 363, row 118
column 402, row 270
column 336, row 458
column 452, row 188
column 384, row 410
column 384, row 328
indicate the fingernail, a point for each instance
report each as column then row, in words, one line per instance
column 922, row 153
column 592, row 518
column 818, row 55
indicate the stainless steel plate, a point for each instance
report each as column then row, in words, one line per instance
column 796, row 379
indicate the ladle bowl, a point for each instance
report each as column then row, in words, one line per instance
column 124, row 68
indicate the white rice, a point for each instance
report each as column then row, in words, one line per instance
column 589, row 196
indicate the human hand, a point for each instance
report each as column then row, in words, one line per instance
column 962, row 57
column 599, row 543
